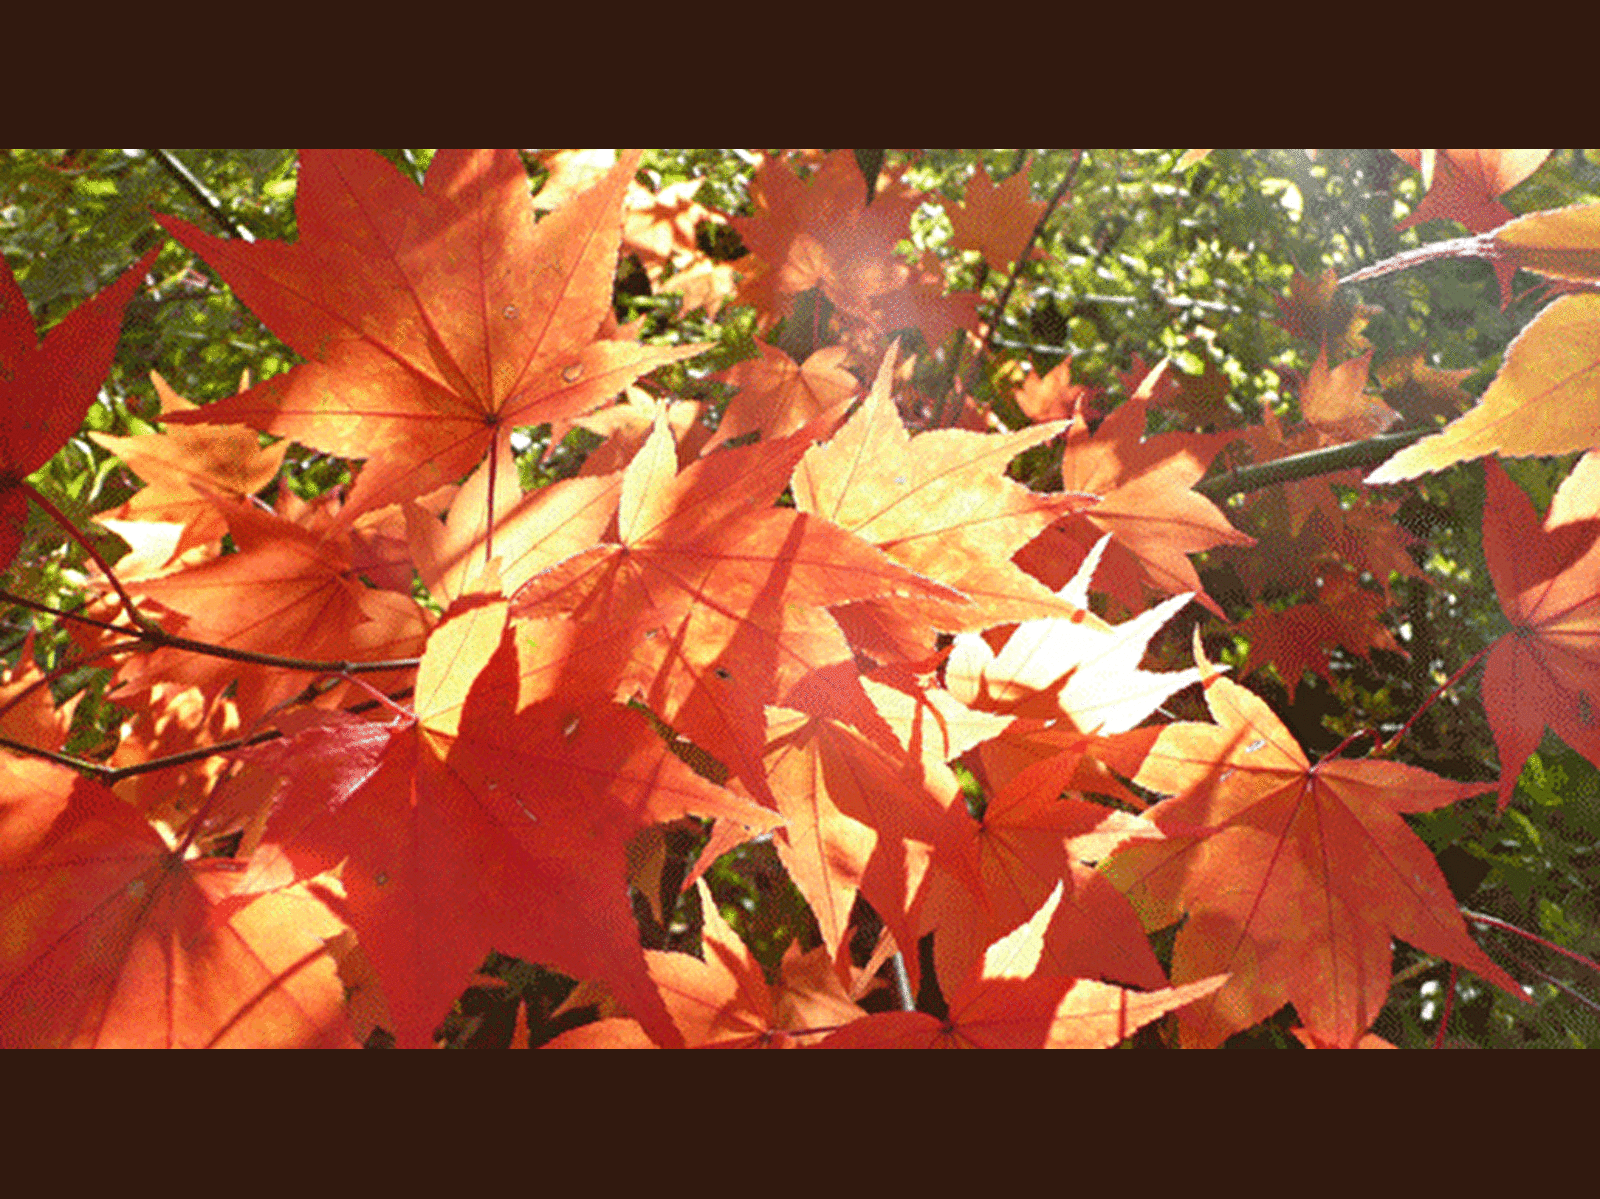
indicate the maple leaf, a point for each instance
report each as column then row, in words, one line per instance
column 941, row 505
column 857, row 818
column 183, row 465
column 532, row 532
column 28, row 711
column 1421, row 392
column 1465, row 185
column 1294, row 876
column 114, row 939
column 1146, row 503
column 1336, row 409
column 434, row 319
column 995, row 219
column 1544, row 400
column 723, row 1000
column 722, row 598
column 778, row 396
column 1546, row 670
column 286, row 585
column 823, row 233
column 46, row 389
column 1054, row 396
column 1323, row 313
column 173, row 719
column 1011, row 1000
column 1080, row 668
column 1298, row 638
column 490, row 823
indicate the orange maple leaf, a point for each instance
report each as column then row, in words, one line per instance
column 1011, row 999
column 179, row 467
column 1146, row 503
column 941, row 505
column 722, row 1000
column 115, row 939
column 434, row 319
column 778, row 396
column 823, row 232
column 995, row 219
column 1544, row 400
column 1294, row 876
column 286, row 586
column 723, row 598
column 1055, row 396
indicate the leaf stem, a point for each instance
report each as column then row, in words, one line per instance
column 1505, row 926
column 95, row 556
column 1449, row 1006
column 902, row 982
column 1481, row 246
column 1388, row 747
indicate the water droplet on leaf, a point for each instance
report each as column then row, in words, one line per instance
column 573, row 373
column 509, row 312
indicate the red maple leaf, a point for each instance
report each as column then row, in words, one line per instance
column 115, row 938
column 491, row 822
column 46, row 389
column 1294, row 876
column 1466, row 184
column 434, row 319
column 1546, row 671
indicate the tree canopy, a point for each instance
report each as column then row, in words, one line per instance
column 806, row 597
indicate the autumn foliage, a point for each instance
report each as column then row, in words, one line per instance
column 931, row 647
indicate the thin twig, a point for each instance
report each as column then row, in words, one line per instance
column 158, row 636
column 201, row 194
column 115, row 774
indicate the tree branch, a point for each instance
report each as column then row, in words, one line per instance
column 201, row 194
column 1033, row 239
column 160, row 637
column 1326, row 461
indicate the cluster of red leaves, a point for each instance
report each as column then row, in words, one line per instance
column 795, row 625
